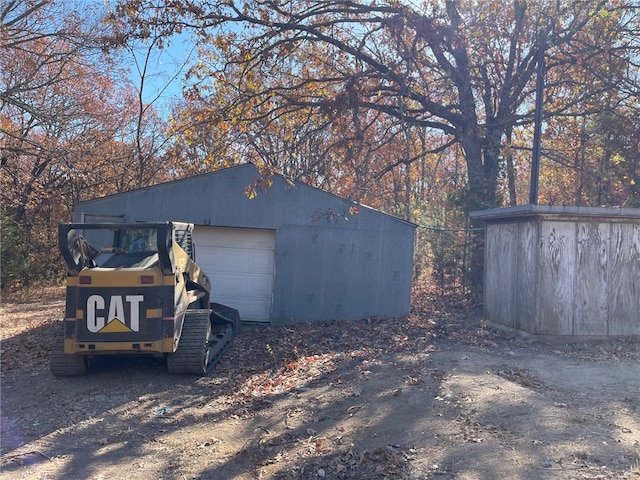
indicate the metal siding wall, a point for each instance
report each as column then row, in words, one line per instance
column 210, row 199
column 341, row 273
column 218, row 199
column 324, row 269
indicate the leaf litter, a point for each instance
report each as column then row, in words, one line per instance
column 271, row 370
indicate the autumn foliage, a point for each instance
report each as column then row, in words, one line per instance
column 424, row 111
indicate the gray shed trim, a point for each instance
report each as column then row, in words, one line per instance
column 324, row 269
column 557, row 211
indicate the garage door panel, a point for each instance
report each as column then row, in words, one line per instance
column 244, row 238
column 252, row 310
column 256, row 311
column 208, row 257
column 260, row 262
column 230, row 285
column 240, row 263
column 232, row 260
column 265, row 243
column 259, row 285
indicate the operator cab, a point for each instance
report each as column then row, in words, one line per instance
column 131, row 248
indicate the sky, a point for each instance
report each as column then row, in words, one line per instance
column 166, row 68
column 166, row 72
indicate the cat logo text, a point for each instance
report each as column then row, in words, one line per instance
column 121, row 314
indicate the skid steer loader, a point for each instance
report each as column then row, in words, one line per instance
column 134, row 288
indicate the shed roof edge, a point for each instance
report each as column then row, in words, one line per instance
column 529, row 210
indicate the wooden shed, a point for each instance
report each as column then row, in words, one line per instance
column 559, row 270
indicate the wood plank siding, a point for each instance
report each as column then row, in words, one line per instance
column 563, row 270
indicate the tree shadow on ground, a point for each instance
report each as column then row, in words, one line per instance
column 376, row 398
column 128, row 408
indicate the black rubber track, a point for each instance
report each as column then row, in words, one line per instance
column 201, row 344
column 63, row 364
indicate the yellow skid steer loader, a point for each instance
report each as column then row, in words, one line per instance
column 134, row 288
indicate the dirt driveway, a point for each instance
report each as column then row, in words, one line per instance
column 438, row 395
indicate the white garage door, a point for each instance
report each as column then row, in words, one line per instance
column 240, row 263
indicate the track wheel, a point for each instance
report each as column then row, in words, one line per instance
column 199, row 345
column 64, row 364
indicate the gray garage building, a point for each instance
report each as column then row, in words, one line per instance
column 293, row 253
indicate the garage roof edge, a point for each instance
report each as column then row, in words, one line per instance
column 242, row 166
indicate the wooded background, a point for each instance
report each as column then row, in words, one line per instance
column 421, row 109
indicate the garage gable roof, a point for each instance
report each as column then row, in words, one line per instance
column 218, row 198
